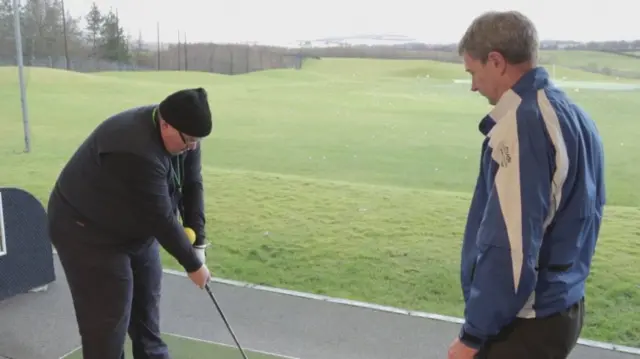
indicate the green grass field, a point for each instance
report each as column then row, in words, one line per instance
column 349, row 178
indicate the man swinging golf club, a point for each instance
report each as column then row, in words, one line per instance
column 113, row 205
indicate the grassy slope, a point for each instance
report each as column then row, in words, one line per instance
column 585, row 58
column 350, row 178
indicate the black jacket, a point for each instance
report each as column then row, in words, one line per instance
column 121, row 182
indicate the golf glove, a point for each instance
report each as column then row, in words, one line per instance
column 200, row 252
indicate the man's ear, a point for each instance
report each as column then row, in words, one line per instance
column 163, row 123
column 497, row 61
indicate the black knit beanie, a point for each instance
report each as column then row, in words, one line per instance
column 188, row 112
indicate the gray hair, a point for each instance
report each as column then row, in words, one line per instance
column 509, row 33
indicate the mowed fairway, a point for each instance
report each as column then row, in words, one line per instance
column 350, row 178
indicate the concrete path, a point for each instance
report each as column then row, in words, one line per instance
column 42, row 325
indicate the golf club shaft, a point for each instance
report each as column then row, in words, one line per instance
column 225, row 320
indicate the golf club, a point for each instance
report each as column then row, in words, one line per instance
column 225, row 320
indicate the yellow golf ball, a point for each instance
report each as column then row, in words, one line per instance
column 190, row 234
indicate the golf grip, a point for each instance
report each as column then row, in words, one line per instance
column 225, row 320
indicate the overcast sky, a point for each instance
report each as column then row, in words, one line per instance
column 286, row 21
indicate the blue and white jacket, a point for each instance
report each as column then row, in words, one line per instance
column 536, row 211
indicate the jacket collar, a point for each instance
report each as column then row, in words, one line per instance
column 532, row 81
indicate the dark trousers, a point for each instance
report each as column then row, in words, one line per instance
column 115, row 291
column 552, row 337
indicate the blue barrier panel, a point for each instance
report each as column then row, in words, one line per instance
column 26, row 254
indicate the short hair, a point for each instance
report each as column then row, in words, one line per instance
column 509, row 33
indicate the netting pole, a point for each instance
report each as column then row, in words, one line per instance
column 23, row 92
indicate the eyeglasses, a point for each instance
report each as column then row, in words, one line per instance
column 189, row 141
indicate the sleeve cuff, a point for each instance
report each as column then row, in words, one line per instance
column 470, row 340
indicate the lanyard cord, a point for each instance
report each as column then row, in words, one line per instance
column 176, row 172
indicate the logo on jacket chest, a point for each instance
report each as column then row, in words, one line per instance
column 502, row 155
column 502, row 141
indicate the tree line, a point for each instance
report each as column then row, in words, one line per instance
column 48, row 31
column 50, row 34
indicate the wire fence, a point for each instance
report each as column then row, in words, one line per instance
column 216, row 58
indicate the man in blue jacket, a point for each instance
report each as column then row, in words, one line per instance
column 536, row 211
